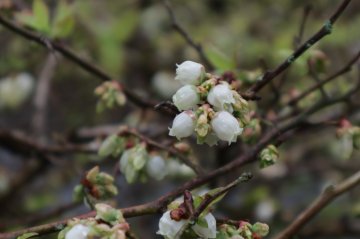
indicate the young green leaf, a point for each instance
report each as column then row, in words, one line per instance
column 41, row 16
column 27, row 235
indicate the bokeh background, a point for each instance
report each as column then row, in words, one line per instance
column 135, row 42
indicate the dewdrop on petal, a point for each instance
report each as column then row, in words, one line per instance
column 226, row 126
column 183, row 125
column 190, row 73
column 78, row 231
column 221, row 97
column 186, row 97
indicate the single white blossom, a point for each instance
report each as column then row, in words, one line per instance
column 221, row 97
column 189, row 73
column 186, row 97
column 169, row 227
column 156, row 167
column 78, row 231
column 14, row 90
column 226, row 126
column 183, row 125
column 209, row 231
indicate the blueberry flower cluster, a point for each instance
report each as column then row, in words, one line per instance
column 210, row 106
column 108, row 223
column 244, row 231
column 137, row 163
column 95, row 186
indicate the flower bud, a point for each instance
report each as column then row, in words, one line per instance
column 108, row 146
column 78, row 231
column 183, row 125
column 156, row 167
column 202, row 127
column 186, row 97
column 168, row 227
column 133, row 161
column 221, row 97
column 268, row 156
column 226, row 126
column 261, row 228
column 240, row 104
column 190, row 72
column 182, row 147
column 108, row 214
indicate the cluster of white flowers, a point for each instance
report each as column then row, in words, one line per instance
column 210, row 107
column 108, row 223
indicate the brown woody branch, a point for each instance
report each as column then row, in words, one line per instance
column 321, row 202
column 20, row 143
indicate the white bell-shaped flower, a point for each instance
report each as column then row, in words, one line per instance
column 183, row 125
column 209, row 231
column 169, row 227
column 186, row 97
column 221, row 97
column 156, row 167
column 190, row 73
column 226, row 126
column 15, row 90
column 78, row 231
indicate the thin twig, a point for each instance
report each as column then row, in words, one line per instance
column 210, row 198
column 338, row 73
column 41, row 96
column 298, row 38
column 325, row 30
column 315, row 77
column 196, row 46
column 322, row 201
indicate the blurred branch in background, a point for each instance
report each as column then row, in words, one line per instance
column 329, row 194
column 41, row 99
column 69, row 54
column 196, row 46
